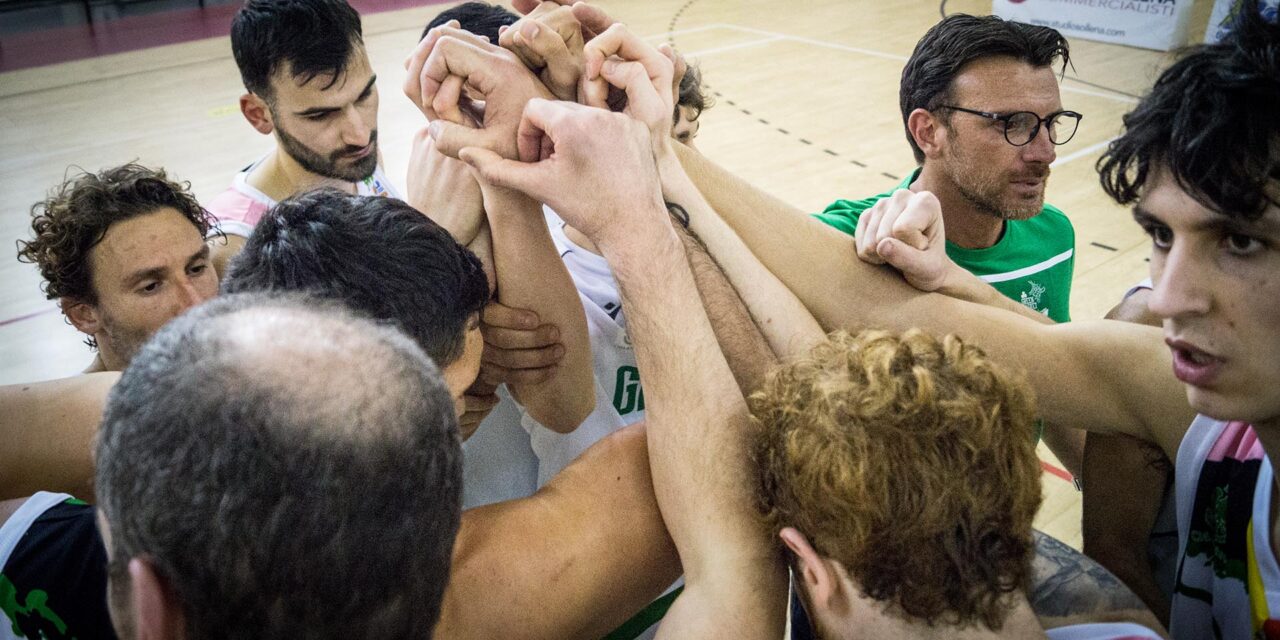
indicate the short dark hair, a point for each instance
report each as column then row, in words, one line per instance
column 480, row 18
column 959, row 39
column 691, row 94
column 314, row 37
column 1211, row 120
column 288, row 468
column 378, row 255
column 76, row 215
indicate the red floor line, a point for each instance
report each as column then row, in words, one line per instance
column 1052, row 470
column 27, row 316
column 64, row 44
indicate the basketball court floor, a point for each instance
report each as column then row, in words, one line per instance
column 806, row 108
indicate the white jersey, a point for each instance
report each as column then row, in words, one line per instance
column 1103, row 631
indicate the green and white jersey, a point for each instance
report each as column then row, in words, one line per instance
column 1032, row 263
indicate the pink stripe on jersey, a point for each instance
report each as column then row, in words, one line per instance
column 1237, row 442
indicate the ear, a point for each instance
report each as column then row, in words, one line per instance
column 817, row 573
column 156, row 611
column 257, row 112
column 82, row 315
column 927, row 130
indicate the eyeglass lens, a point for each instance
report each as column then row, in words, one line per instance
column 1022, row 126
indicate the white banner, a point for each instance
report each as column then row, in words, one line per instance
column 1151, row 24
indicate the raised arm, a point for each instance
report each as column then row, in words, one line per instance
column 735, row 584
column 532, row 276
column 1099, row 375
column 47, row 429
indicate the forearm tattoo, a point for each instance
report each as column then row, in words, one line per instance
column 1065, row 582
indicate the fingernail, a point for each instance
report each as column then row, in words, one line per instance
column 503, row 29
column 553, row 334
column 433, row 129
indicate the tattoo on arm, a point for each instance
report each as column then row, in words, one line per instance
column 1067, row 583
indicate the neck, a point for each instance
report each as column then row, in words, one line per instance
column 966, row 226
column 97, row 365
column 280, row 176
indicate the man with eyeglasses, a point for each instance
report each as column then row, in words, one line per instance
column 983, row 114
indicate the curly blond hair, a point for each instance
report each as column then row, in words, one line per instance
column 911, row 461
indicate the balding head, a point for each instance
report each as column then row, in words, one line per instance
column 287, row 469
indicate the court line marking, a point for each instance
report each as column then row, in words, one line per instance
column 733, row 47
column 27, row 316
column 899, row 58
column 1076, row 155
column 680, row 32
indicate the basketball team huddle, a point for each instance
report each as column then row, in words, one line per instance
column 580, row 381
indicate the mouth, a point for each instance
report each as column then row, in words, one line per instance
column 362, row 152
column 1192, row 365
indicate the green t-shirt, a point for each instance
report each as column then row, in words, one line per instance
column 1032, row 263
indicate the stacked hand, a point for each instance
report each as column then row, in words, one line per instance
column 906, row 232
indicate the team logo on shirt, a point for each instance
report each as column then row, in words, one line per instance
column 628, row 395
column 1031, row 299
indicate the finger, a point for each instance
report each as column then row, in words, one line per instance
column 526, row 6
column 522, row 43
column 871, row 226
column 492, row 373
column 450, row 139
column 524, row 358
column 860, row 232
column 593, row 19
column 678, row 66
column 632, row 78
column 445, row 103
column 457, row 57
column 560, row 66
column 504, row 338
column 910, row 228
column 884, row 227
column 617, row 40
column 926, row 206
column 532, row 143
column 496, row 314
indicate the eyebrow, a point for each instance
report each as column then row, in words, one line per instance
column 157, row 272
column 1219, row 223
column 316, row 111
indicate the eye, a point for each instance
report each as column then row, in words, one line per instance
column 150, row 287
column 1161, row 236
column 1242, row 245
column 197, row 269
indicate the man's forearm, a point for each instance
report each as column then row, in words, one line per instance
column 697, row 440
column 48, row 429
column 784, row 320
column 532, row 276
column 744, row 347
column 549, row 565
column 1122, row 372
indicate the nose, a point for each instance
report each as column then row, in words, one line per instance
column 1180, row 287
column 189, row 294
column 355, row 132
column 1040, row 149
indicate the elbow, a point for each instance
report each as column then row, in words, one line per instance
column 566, row 415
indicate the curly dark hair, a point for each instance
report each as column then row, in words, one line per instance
column 76, row 215
column 1210, row 120
column 910, row 460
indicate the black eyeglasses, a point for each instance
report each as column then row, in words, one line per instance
column 1021, row 127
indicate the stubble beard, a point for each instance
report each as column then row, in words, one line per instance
column 333, row 166
column 985, row 188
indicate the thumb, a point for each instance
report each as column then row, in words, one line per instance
column 912, row 262
column 450, row 138
column 496, row 170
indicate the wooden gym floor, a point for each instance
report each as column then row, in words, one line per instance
column 806, row 108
